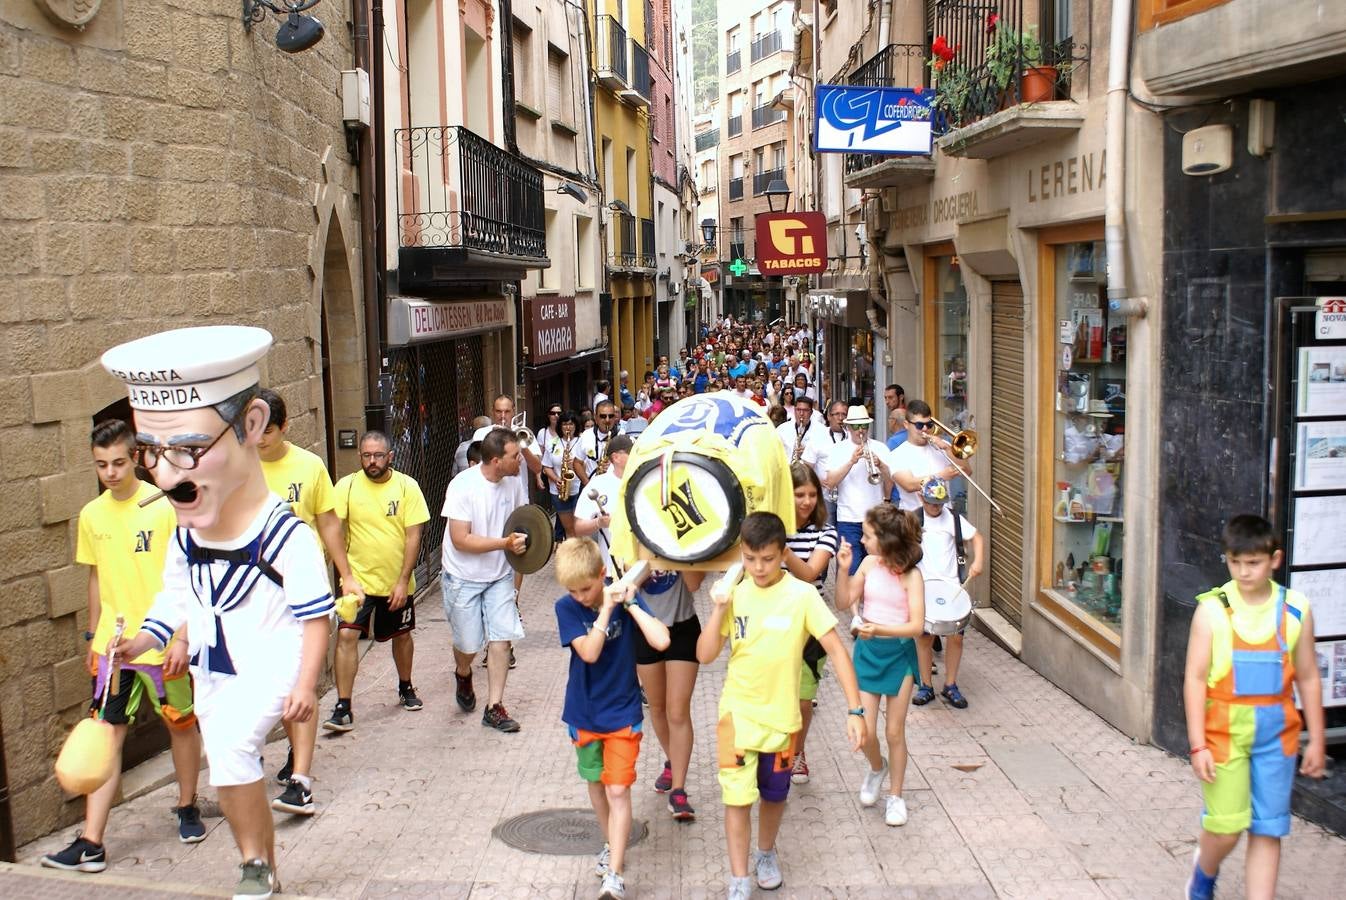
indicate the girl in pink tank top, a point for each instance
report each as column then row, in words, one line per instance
column 889, row 593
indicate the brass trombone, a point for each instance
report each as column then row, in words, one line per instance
column 963, row 444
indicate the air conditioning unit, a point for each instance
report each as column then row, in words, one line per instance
column 674, row 287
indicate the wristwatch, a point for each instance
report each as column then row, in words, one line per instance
column 627, row 604
column 858, row 711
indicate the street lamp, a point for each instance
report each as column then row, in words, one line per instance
column 778, row 189
column 708, row 232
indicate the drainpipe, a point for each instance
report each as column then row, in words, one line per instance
column 1114, row 167
column 885, row 21
column 371, row 267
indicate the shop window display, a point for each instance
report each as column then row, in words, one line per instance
column 951, row 344
column 1090, row 436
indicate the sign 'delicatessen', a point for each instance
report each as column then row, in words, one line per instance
column 550, row 326
column 412, row 320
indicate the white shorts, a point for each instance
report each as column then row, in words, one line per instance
column 236, row 714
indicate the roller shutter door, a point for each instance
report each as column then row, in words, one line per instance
column 1008, row 466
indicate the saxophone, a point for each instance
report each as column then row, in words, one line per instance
column 606, row 460
column 567, row 473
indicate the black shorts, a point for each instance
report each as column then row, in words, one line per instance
column 385, row 623
column 682, row 638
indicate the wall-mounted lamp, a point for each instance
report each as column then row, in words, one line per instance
column 570, row 189
column 297, row 33
column 619, row 206
column 708, row 231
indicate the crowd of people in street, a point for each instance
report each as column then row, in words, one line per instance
column 878, row 516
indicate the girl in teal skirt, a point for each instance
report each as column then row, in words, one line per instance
column 891, row 596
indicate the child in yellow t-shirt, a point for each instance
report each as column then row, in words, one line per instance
column 767, row 619
column 124, row 545
column 1250, row 649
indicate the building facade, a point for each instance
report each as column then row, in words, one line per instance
column 706, row 163
column 754, row 90
column 993, row 294
column 466, row 223
column 160, row 169
column 623, row 94
column 563, row 347
column 1255, row 236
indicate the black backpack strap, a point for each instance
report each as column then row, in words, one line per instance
column 958, row 545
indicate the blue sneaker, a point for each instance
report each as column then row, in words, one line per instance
column 191, row 829
column 954, row 696
column 924, row 694
column 1200, row 886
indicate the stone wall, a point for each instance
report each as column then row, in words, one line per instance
column 159, row 168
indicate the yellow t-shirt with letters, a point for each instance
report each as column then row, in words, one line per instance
column 300, row 479
column 127, row 545
column 377, row 517
column 767, row 629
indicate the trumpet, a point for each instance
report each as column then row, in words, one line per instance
column 963, row 444
column 519, row 425
column 873, row 475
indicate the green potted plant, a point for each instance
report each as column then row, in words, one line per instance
column 1009, row 52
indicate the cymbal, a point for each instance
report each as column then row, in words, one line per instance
column 533, row 521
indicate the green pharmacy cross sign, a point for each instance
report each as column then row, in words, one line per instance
column 738, row 267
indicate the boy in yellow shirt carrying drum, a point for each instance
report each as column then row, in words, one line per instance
column 1251, row 647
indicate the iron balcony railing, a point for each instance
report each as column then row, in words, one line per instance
column 736, row 188
column 647, row 246
column 733, row 62
column 611, row 49
column 640, row 70
column 897, row 65
column 707, row 139
column 736, row 125
column 765, row 115
column 762, row 180
column 766, row 44
column 626, row 253
column 458, row 190
column 987, row 59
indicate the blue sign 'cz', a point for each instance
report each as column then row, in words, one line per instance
column 857, row 119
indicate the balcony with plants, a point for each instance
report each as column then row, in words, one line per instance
column 998, row 87
column 900, row 66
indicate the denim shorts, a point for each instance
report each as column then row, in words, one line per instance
column 480, row 611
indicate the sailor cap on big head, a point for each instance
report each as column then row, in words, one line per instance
column 189, row 368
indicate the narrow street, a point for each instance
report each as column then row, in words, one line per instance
column 1024, row 794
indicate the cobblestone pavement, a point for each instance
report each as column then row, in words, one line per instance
column 1024, row 794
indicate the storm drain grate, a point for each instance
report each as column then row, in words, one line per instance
column 559, row 832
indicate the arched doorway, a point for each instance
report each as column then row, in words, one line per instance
column 341, row 353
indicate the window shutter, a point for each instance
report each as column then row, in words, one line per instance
column 556, row 76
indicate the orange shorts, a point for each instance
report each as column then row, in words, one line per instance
column 608, row 757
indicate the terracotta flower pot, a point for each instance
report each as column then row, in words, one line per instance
column 1038, row 84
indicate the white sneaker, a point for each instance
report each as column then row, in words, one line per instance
column 767, row 869
column 602, row 863
column 869, row 788
column 614, row 888
column 896, row 814
column 740, row 888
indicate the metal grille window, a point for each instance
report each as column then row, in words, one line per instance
column 437, row 389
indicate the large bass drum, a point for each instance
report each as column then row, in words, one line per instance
column 701, row 466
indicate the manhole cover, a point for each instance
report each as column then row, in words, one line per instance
column 559, row 832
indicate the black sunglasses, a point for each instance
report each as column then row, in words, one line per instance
column 921, row 426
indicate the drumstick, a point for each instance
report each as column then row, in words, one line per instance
column 111, row 664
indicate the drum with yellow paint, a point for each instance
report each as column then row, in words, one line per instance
column 88, row 757
column 701, row 466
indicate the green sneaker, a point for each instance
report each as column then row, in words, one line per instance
column 256, row 881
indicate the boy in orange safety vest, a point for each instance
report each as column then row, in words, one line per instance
column 1251, row 645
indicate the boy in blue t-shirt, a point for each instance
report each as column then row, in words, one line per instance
column 602, row 703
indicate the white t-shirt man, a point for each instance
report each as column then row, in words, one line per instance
column 607, row 486
column 824, row 439
column 855, row 495
column 485, row 506
column 593, row 444
column 788, row 432
column 920, row 462
column 939, row 555
column 480, row 435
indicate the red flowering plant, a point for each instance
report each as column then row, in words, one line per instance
column 952, row 79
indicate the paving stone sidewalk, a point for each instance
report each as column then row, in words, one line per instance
column 1024, row 794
